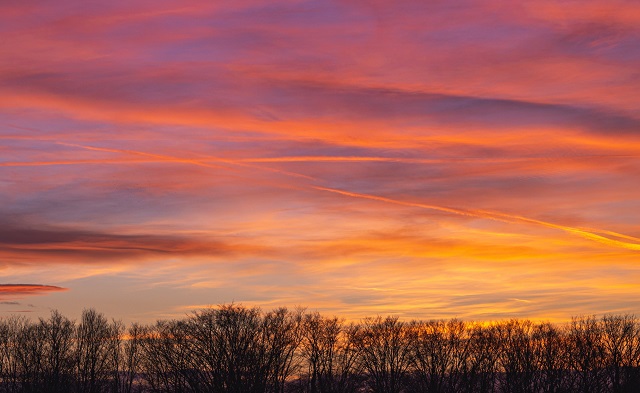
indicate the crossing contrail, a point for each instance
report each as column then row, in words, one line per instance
column 497, row 216
column 205, row 162
column 597, row 235
column 410, row 160
column 72, row 162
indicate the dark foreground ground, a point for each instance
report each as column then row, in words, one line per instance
column 245, row 350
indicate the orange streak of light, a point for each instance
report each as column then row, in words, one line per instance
column 425, row 160
column 496, row 216
column 71, row 162
column 198, row 162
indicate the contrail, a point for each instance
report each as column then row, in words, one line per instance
column 199, row 162
column 140, row 153
column 72, row 162
column 409, row 160
column 593, row 234
column 497, row 216
column 155, row 158
column 605, row 232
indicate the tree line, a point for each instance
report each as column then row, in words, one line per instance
column 238, row 349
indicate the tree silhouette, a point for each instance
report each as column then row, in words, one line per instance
column 232, row 348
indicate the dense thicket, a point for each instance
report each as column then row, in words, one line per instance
column 245, row 350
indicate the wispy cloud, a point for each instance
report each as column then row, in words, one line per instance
column 23, row 245
column 18, row 291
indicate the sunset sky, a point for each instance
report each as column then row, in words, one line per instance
column 426, row 159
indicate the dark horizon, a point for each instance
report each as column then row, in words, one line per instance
column 233, row 348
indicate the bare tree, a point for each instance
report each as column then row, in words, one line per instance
column 517, row 356
column 436, row 349
column 95, row 338
column 384, row 352
column 10, row 349
column 57, row 366
column 130, row 363
column 281, row 337
column 483, row 355
column 587, row 355
column 330, row 355
column 165, row 358
column 551, row 355
column 620, row 338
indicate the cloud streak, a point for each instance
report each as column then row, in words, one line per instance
column 19, row 291
column 503, row 217
column 88, row 247
column 596, row 235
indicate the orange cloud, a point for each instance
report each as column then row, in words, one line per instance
column 57, row 245
column 20, row 290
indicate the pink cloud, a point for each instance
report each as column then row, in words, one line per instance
column 17, row 291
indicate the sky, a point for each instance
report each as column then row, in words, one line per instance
column 424, row 159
